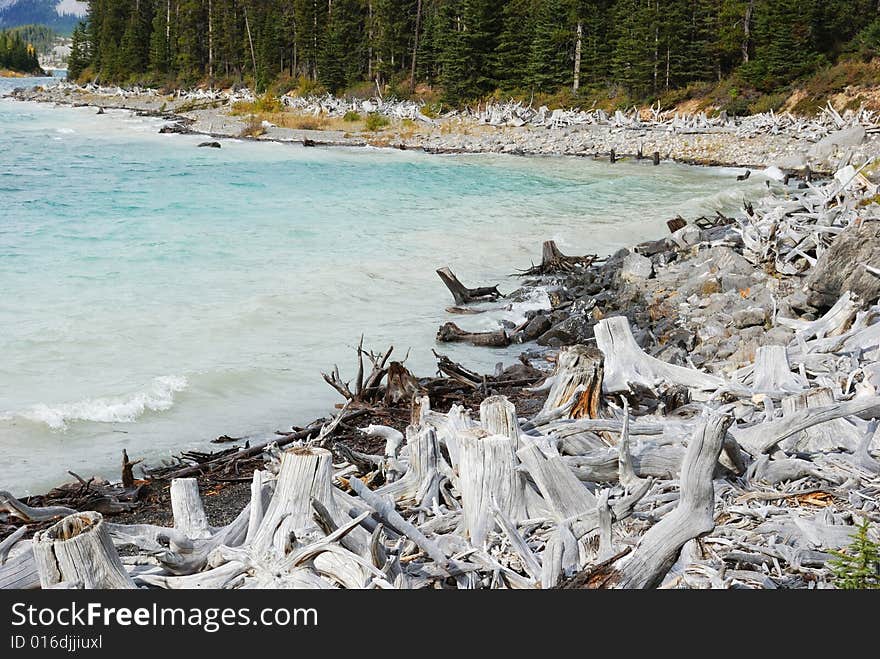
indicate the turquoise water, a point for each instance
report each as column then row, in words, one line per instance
column 154, row 295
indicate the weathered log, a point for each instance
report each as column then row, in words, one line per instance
column 79, row 549
column 560, row 488
column 465, row 295
column 693, row 517
column 384, row 508
column 452, row 333
column 20, row 571
column 27, row 513
column 10, row 542
column 762, row 437
column 487, row 476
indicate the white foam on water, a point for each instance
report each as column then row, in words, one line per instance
column 157, row 397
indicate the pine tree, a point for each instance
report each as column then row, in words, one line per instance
column 858, row 567
column 80, row 52
column 548, row 62
column 342, row 60
column 515, row 43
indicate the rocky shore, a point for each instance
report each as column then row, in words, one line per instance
column 787, row 143
column 698, row 411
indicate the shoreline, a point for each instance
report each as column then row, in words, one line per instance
column 722, row 317
column 784, row 148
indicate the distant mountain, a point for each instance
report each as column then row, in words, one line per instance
column 61, row 15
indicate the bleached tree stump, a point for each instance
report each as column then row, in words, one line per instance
column 498, row 417
column 78, row 550
column 487, row 476
column 829, row 436
column 306, row 474
column 421, row 482
column 579, row 372
column 188, row 510
column 628, row 366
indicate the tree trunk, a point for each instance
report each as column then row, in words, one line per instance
column 576, row 85
column 747, row 31
column 412, row 77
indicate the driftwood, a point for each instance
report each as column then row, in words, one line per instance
column 465, row 295
column 692, row 518
column 554, row 261
column 576, row 384
column 452, row 333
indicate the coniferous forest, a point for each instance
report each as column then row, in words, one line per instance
column 468, row 49
column 17, row 54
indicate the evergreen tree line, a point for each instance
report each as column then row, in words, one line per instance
column 468, row 48
column 18, row 55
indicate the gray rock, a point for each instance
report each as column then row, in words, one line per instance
column 688, row 236
column 636, row 267
column 534, row 329
column 839, row 269
column 572, row 330
column 749, row 317
column 735, row 282
column 729, row 261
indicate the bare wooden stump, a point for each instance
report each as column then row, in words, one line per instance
column 579, row 376
column 628, row 366
column 498, row 417
column 189, row 512
column 487, row 476
column 465, row 295
column 78, row 549
column 773, row 371
column 421, row 482
column 305, row 475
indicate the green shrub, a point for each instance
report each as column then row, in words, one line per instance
column 375, row 122
column 768, row 102
column 351, row 116
column 268, row 104
column 858, row 566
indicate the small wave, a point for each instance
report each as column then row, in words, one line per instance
column 65, row 131
column 158, row 397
